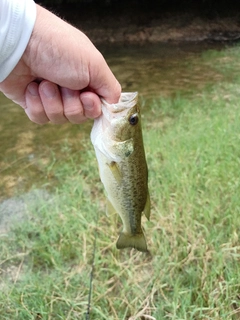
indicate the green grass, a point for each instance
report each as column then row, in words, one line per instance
column 192, row 272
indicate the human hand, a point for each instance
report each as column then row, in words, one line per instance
column 61, row 75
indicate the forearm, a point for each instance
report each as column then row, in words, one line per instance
column 17, row 18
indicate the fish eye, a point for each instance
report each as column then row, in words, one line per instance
column 133, row 119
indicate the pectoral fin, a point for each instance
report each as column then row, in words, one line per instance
column 147, row 207
column 115, row 171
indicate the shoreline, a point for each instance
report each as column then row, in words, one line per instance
column 171, row 27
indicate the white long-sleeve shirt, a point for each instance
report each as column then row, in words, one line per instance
column 17, row 18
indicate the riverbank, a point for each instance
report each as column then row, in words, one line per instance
column 153, row 27
column 181, row 30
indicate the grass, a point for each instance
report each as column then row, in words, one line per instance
column 192, row 270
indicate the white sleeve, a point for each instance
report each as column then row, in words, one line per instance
column 17, row 18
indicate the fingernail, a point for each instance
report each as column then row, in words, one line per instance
column 87, row 103
column 33, row 89
column 49, row 90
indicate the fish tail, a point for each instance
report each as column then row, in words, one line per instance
column 137, row 241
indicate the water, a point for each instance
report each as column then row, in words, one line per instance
column 152, row 70
column 162, row 69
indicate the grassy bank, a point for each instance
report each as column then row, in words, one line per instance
column 192, row 270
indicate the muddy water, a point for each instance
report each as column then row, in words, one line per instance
column 162, row 69
column 26, row 149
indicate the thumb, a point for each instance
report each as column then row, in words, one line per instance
column 103, row 82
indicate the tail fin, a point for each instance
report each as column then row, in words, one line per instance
column 137, row 241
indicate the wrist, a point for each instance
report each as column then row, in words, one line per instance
column 32, row 53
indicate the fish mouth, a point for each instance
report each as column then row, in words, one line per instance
column 116, row 110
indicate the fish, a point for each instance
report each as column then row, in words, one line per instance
column 117, row 139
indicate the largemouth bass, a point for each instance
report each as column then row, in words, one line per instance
column 117, row 139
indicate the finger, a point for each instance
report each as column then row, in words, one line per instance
column 52, row 102
column 72, row 105
column 103, row 82
column 91, row 104
column 34, row 108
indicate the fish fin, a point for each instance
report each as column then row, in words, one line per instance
column 110, row 208
column 137, row 241
column 115, row 171
column 147, row 207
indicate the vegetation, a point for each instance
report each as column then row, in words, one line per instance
column 192, row 270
